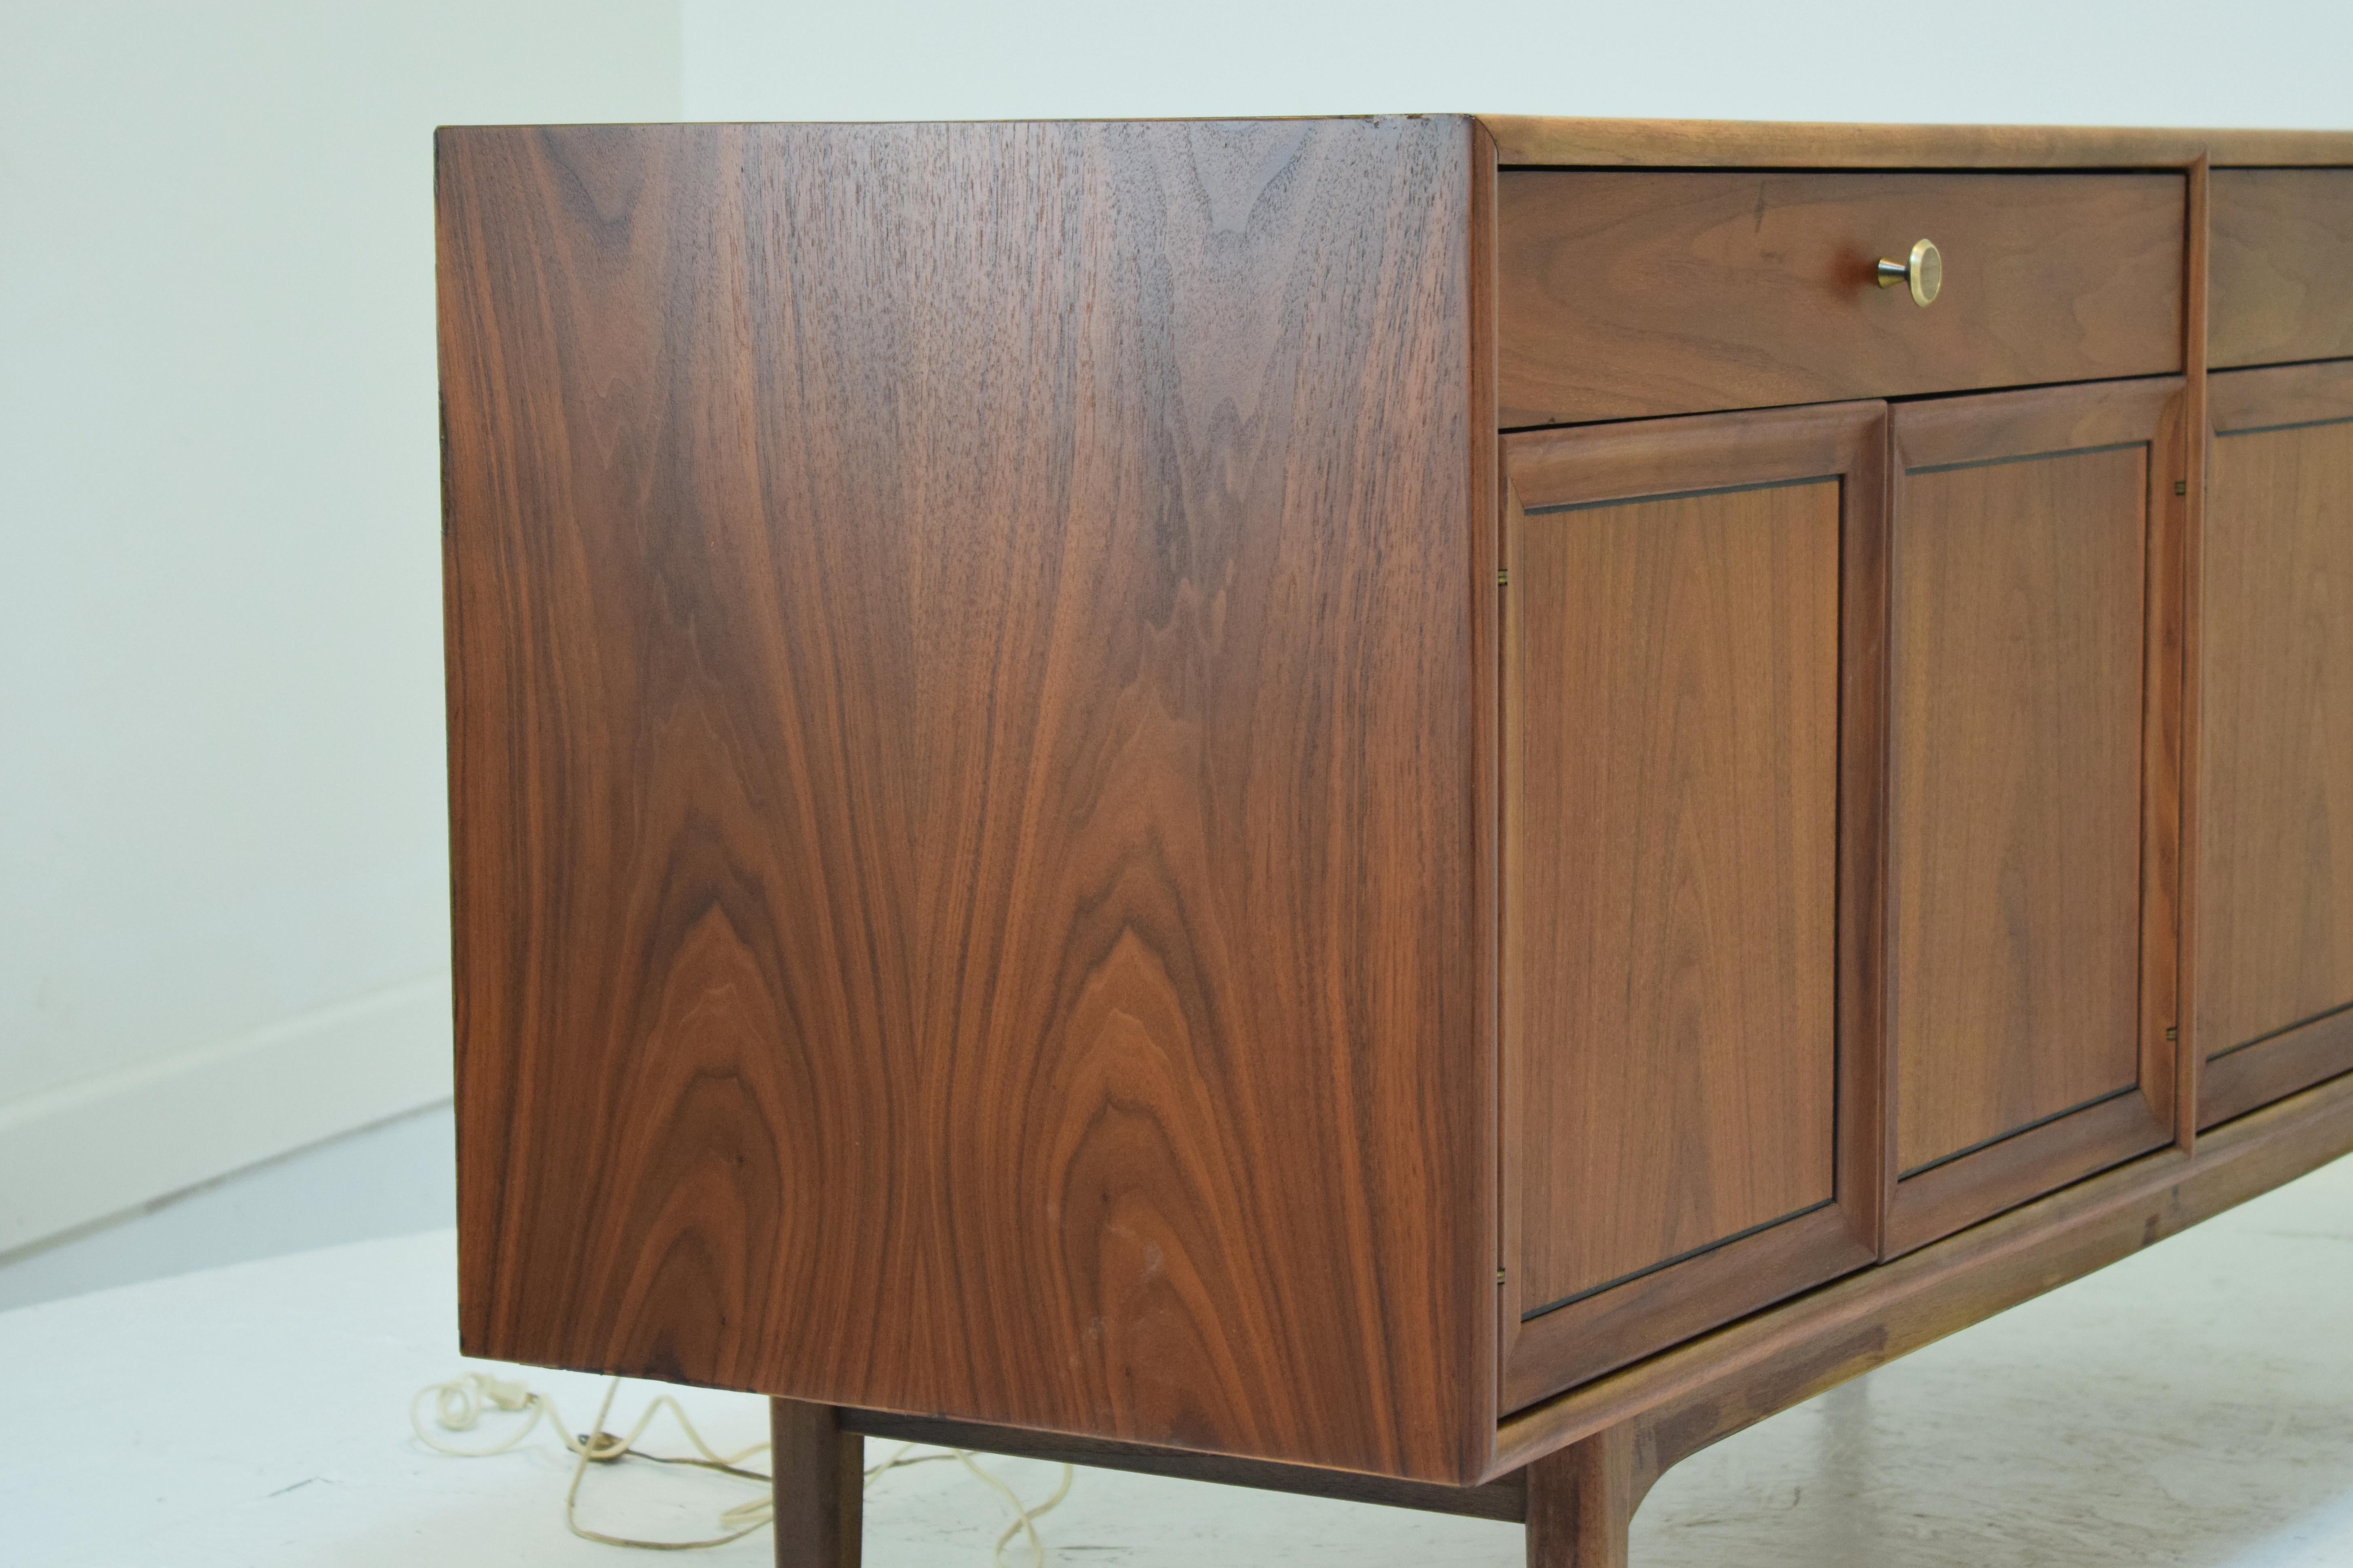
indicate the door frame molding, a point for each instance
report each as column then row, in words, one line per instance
column 1584, row 465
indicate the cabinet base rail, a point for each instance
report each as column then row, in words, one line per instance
column 1575, row 1468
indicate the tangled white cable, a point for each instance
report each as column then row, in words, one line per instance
column 459, row 1403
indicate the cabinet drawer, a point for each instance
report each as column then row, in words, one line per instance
column 1624, row 294
column 2283, row 265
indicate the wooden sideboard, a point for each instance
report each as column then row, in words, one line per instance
column 1421, row 808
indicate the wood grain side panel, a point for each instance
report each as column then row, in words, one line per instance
column 2282, row 266
column 1631, row 294
column 2275, row 821
column 2017, row 827
column 1678, row 817
column 963, row 772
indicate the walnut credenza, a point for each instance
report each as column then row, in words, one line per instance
column 1426, row 808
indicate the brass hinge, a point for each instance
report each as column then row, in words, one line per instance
column 1499, row 1276
column 2181, row 486
column 2173, row 1033
column 1503, row 577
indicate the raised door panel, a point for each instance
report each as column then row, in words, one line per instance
column 2273, row 985
column 1682, row 754
column 1673, row 863
column 2018, row 848
column 2023, row 852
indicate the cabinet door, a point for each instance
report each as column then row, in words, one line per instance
column 2272, row 990
column 2034, row 794
column 1689, row 1103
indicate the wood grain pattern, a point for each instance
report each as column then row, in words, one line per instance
column 2275, row 771
column 1680, row 729
column 1581, row 1500
column 1675, row 1064
column 820, row 1469
column 2016, row 1167
column 982, row 856
column 2254, row 1076
column 1577, row 1466
column 964, row 676
column 1563, row 140
column 2241, row 401
column 1699, row 1393
column 1628, row 294
column 1490, row 504
column 1961, row 432
column 2283, row 265
column 2018, row 682
column 2036, row 778
column 1603, row 1331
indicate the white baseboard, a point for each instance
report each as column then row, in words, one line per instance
column 112, row 1142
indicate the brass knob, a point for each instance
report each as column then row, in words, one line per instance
column 1924, row 272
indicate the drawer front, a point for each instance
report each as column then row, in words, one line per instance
column 2283, row 265
column 1625, row 294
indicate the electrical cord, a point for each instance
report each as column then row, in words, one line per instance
column 458, row 1404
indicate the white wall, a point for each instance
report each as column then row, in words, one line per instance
column 223, row 855
column 2154, row 62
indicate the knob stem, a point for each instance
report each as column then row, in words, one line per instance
column 1923, row 271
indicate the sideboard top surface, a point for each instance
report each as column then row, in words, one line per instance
column 1542, row 140
column 1563, row 140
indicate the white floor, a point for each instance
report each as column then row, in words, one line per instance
column 2192, row 1405
column 396, row 1178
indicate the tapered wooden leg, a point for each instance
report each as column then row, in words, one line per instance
column 820, row 1473
column 1581, row 1501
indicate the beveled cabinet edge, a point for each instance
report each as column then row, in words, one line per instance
column 1535, row 140
column 1981, row 426
column 1583, row 465
column 1589, row 464
column 1484, row 533
column 2189, row 548
column 1969, row 1186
